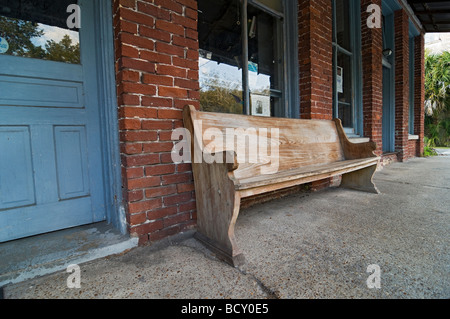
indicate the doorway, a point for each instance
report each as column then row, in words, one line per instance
column 52, row 158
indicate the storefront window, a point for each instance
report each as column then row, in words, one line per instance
column 234, row 81
column 346, row 61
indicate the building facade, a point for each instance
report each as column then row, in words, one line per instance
column 93, row 136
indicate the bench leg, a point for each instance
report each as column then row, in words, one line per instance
column 218, row 206
column 216, row 231
column 361, row 180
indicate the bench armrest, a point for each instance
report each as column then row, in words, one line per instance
column 229, row 158
column 354, row 150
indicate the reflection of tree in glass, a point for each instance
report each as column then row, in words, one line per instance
column 19, row 34
column 219, row 95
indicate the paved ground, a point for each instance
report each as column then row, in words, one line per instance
column 316, row 245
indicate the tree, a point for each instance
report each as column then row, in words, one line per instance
column 20, row 33
column 437, row 99
column 63, row 51
column 218, row 95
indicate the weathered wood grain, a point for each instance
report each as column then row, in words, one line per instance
column 288, row 152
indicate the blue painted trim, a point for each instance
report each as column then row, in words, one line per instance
column 291, row 59
column 389, row 6
column 413, row 31
column 113, row 181
column 115, row 212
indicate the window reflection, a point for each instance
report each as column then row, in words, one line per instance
column 221, row 86
column 38, row 30
column 221, row 58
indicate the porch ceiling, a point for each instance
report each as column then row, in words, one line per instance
column 433, row 14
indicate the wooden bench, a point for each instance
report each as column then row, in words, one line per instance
column 308, row 150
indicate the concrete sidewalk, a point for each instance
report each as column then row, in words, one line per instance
column 314, row 245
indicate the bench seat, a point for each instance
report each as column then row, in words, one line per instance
column 302, row 175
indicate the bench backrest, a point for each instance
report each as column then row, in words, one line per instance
column 298, row 143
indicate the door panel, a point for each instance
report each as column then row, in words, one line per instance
column 20, row 189
column 51, row 173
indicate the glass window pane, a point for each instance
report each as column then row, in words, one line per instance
column 265, row 63
column 344, row 87
column 343, row 24
column 220, row 86
column 276, row 5
column 39, row 30
column 220, row 62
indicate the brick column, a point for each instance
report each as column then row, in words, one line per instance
column 156, row 50
column 419, row 92
column 401, row 22
column 315, row 59
column 372, row 55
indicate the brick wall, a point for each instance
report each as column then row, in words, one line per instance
column 315, row 59
column 156, row 50
column 372, row 55
column 401, row 26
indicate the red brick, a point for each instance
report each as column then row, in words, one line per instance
column 154, row 57
column 146, row 228
column 162, row 47
column 129, row 124
column 138, row 112
column 161, row 213
column 138, row 207
column 153, row 10
column 158, row 147
column 177, row 199
column 144, row 182
column 140, row 160
column 160, row 191
column 135, row 196
column 137, row 219
column 156, row 101
column 129, row 63
column 170, row 4
column 184, row 21
column 154, row 34
column 157, row 125
column 187, row 206
column 177, row 219
column 176, row 178
column 172, row 92
column 170, row 114
column 157, row 79
column 171, row 70
column 169, row 27
column 134, row 172
column 137, row 17
column 183, row 188
column 160, row 170
column 131, row 148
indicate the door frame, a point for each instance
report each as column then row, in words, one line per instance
column 114, row 207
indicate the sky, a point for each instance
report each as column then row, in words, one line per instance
column 54, row 33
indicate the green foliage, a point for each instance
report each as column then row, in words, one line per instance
column 437, row 99
column 63, row 51
column 217, row 95
column 19, row 35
